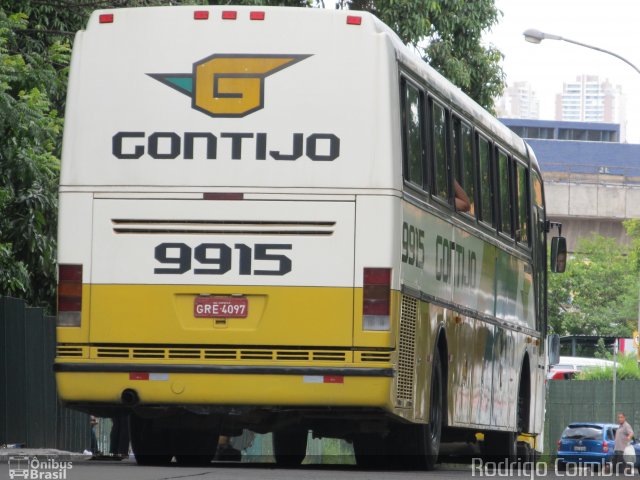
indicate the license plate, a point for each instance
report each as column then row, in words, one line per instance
column 220, row 307
column 579, row 449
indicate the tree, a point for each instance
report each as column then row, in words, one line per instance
column 598, row 293
column 448, row 35
column 30, row 128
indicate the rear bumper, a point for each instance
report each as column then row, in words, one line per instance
column 225, row 385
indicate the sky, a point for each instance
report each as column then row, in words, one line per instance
column 612, row 25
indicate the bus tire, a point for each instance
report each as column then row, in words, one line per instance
column 525, row 453
column 432, row 432
column 150, row 444
column 369, row 451
column 195, row 447
column 500, row 446
column 290, row 446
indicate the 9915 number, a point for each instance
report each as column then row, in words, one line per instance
column 412, row 245
column 218, row 258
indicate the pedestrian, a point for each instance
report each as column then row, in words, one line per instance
column 624, row 434
column 119, row 438
column 93, row 421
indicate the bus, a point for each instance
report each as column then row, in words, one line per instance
column 258, row 230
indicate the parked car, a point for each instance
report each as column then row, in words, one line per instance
column 562, row 373
column 590, row 443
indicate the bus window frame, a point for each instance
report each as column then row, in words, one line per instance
column 457, row 165
column 432, row 149
column 510, row 236
column 404, row 82
column 518, row 163
column 490, row 223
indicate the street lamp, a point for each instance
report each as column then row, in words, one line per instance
column 536, row 36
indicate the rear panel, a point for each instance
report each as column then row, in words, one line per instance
column 157, row 256
column 223, row 189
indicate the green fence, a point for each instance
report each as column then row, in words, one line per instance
column 588, row 401
column 30, row 413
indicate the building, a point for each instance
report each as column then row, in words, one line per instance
column 518, row 101
column 588, row 99
column 554, row 130
column 592, row 181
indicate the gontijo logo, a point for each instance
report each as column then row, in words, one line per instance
column 228, row 85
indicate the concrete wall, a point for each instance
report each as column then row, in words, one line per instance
column 588, row 204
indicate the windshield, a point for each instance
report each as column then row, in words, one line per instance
column 582, row 433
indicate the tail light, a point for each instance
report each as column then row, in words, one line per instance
column 558, row 444
column 376, row 299
column 605, row 447
column 106, row 18
column 69, row 295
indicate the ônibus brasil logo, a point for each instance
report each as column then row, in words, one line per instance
column 228, row 85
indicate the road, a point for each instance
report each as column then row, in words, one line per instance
column 128, row 470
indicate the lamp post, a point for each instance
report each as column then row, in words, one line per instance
column 536, row 36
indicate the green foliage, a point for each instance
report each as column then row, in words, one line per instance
column 598, row 293
column 626, row 369
column 30, row 128
column 448, row 35
column 601, row 350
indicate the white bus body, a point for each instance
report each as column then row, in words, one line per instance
column 254, row 156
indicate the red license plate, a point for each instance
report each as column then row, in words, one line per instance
column 220, row 307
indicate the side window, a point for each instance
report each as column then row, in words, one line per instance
column 537, row 191
column 504, row 194
column 522, row 185
column 463, row 161
column 486, row 191
column 412, row 133
column 439, row 129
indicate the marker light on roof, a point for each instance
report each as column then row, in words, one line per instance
column 354, row 20
column 256, row 15
column 229, row 15
column 200, row 15
column 106, row 18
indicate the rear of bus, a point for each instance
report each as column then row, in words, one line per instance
column 228, row 202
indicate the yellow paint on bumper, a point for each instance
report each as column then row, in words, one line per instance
column 226, row 389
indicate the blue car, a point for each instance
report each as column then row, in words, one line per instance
column 590, row 443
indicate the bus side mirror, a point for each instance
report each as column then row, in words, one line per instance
column 558, row 254
column 554, row 349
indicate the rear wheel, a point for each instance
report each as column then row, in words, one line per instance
column 151, row 444
column 155, row 443
column 525, row 453
column 290, row 446
column 370, row 451
column 500, row 446
column 418, row 446
column 195, row 447
column 432, row 432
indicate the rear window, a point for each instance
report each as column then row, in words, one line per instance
column 582, row 433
